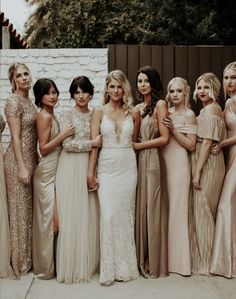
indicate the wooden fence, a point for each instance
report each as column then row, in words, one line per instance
column 185, row 61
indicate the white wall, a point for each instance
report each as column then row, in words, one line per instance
column 60, row 65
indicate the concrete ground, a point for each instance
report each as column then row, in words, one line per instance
column 172, row 287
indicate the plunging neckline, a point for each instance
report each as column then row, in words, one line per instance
column 118, row 129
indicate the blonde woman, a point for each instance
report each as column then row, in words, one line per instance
column 208, row 173
column 181, row 123
column 224, row 250
column 118, row 123
column 20, row 161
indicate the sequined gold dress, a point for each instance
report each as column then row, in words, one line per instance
column 78, row 238
column 5, row 268
column 20, row 195
column 204, row 202
column 43, row 211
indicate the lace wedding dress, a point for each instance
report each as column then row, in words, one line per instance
column 117, row 175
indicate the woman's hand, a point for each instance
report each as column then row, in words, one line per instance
column 168, row 123
column 196, row 181
column 69, row 131
column 215, row 149
column 23, row 175
column 136, row 146
column 92, row 182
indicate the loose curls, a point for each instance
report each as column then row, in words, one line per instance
column 122, row 79
column 214, row 84
column 156, row 86
column 230, row 66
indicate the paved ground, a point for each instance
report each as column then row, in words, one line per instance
column 172, row 287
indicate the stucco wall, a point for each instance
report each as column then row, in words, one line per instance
column 60, row 65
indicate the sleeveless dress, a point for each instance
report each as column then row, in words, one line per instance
column 5, row 268
column 20, row 196
column 178, row 185
column 204, row 202
column 117, row 175
column 151, row 208
column 44, row 198
column 78, row 238
column 224, row 250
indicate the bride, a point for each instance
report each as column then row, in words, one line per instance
column 118, row 123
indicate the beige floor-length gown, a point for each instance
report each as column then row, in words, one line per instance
column 224, row 250
column 20, row 196
column 44, row 203
column 78, row 238
column 5, row 268
column 204, row 202
column 178, row 184
column 151, row 208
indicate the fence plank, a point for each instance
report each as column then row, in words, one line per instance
column 181, row 61
column 133, row 66
column 111, row 57
column 145, row 55
column 168, row 65
column 121, row 58
column 205, row 59
column 157, row 58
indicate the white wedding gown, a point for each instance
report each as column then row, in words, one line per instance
column 117, row 175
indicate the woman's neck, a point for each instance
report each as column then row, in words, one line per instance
column 147, row 99
column 179, row 108
column 24, row 94
column 116, row 105
column 82, row 109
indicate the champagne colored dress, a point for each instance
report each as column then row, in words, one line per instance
column 204, row 202
column 78, row 238
column 224, row 250
column 5, row 268
column 20, row 196
column 117, row 175
column 178, row 184
column 44, row 199
column 151, row 208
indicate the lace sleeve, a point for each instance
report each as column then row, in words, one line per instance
column 73, row 143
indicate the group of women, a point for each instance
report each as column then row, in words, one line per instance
column 119, row 189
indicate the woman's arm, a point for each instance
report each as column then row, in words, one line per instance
column 14, row 124
column 95, row 129
column 137, row 121
column 44, row 125
column 187, row 141
column 160, row 112
column 203, row 156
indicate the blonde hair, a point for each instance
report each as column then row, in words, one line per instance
column 122, row 79
column 230, row 66
column 214, row 85
column 186, row 90
column 11, row 73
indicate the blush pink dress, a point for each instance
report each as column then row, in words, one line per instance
column 224, row 250
column 178, row 186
